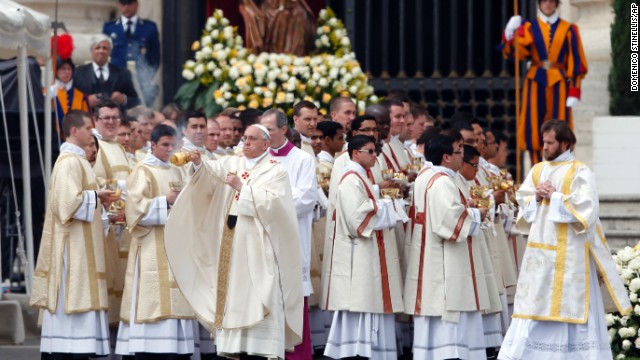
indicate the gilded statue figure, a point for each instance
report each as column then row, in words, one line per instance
column 278, row 26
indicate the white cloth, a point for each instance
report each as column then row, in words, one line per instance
column 505, row 317
column 105, row 71
column 572, row 101
column 551, row 340
column 301, row 168
column 82, row 333
column 551, row 19
column 187, row 145
column 87, row 209
column 512, row 26
column 324, row 156
column 362, row 334
column 169, row 336
column 436, row 339
column 134, row 22
column 492, row 326
column 257, row 340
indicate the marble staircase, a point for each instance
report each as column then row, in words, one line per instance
column 620, row 216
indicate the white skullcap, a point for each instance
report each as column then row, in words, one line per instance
column 263, row 129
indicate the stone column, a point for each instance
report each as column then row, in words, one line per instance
column 593, row 18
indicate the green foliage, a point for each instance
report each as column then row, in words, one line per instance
column 623, row 100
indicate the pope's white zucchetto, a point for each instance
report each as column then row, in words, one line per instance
column 263, row 129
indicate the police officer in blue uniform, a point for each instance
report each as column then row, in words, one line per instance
column 135, row 39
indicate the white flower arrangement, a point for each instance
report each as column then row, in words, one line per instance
column 224, row 73
column 623, row 330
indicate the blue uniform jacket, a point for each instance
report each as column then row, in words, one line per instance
column 144, row 45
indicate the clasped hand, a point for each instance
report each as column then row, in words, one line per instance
column 544, row 191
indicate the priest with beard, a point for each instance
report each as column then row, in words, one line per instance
column 558, row 308
column 232, row 243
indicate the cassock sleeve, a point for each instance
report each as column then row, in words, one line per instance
column 156, row 213
column 581, row 201
column 139, row 197
column 87, row 209
column 67, row 189
column 450, row 219
column 304, row 188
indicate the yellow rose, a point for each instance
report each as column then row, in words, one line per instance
column 323, row 111
column 302, row 87
column 218, row 94
column 345, row 93
column 326, row 98
column 280, row 96
column 242, row 107
column 267, row 102
column 195, row 46
column 326, row 29
column 308, row 98
column 253, row 104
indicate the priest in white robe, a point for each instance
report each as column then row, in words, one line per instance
column 301, row 168
column 112, row 163
column 232, row 243
column 194, row 129
column 305, row 120
column 444, row 285
column 156, row 320
column 69, row 283
column 363, row 285
column 558, row 308
column 491, row 317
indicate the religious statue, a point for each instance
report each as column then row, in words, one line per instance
column 278, row 26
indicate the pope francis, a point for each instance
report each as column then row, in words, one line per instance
column 234, row 250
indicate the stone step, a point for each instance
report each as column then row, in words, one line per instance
column 620, row 221
column 619, row 204
column 618, row 239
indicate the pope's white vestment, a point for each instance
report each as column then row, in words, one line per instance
column 236, row 255
column 558, row 309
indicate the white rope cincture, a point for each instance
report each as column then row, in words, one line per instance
column 20, row 250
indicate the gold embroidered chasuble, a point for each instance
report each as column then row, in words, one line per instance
column 158, row 295
column 441, row 278
column 86, row 288
column 554, row 277
column 112, row 162
column 228, row 275
column 363, row 272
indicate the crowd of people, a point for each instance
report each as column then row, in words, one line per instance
column 172, row 235
column 382, row 236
